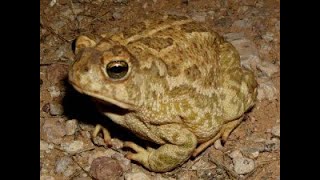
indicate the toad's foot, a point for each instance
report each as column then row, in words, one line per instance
column 224, row 134
column 180, row 143
column 105, row 132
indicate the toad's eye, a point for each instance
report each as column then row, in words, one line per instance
column 117, row 69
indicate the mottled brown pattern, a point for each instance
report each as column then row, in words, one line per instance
column 157, row 43
column 134, row 29
column 183, row 86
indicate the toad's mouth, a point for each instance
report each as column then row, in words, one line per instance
column 105, row 102
column 107, row 107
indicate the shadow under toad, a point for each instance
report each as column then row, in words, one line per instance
column 81, row 107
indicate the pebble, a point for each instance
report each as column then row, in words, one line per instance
column 44, row 146
column 235, row 154
column 105, row 168
column 243, row 165
column 45, row 177
column 121, row 1
column 243, row 23
column 54, row 91
column 267, row 68
column 52, row 3
column 252, row 152
column 272, row 145
column 117, row 15
column 185, row 175
column 53, row 130
column 97, row 154
column 276, row 131
column 125, row 163
column 217, row 144
column 268, row 36
column 56, row 109
column 72, row 147
column 255, row 154
column 71, row 126
column 248, row 51
column 65, row 166
column 82, row 178
column 199, row 17
column 233, row 36
column 136, row 175
column 266, row 90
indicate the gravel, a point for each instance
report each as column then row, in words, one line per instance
column 72, row 147
column 136, row 175
column 276, row 131
column 243, row 165
column 65, row 166
column 56, row 109
column 53, row 130
column 71, row 126
column 105, row 168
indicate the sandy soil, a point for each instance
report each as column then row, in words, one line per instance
column 67, row 118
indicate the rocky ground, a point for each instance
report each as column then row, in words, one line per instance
column 67, row 119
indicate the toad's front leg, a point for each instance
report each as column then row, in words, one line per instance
column 180, row 143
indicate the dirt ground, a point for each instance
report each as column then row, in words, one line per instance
column 67, row 118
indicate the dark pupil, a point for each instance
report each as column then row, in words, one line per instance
column 117, row 69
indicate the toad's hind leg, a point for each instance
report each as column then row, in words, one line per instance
column 178, row 147
column 224, row 134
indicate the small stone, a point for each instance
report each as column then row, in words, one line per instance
column 252, row 152
column 268, row 36
column 65, row 166
column 52, row 3
column 82, row 178
column 243, row 165
column 235, row 154
column 117, row 15
column 72, row 147
column 184, row 175
column 104, row 168
column 233, row 36
column 120, row 1
column 53, row 130
column 44, row 146
column 125, row 163
column 55, row 109
column 46, row 108
column 71, row 126
column 244, row 23
column 217, row 144
column 255, row 154
column 54, row 91
column 45, row 177
column 276, row 131
column 145, row 6
column 86, row 127
column 267, row 68
column 248, row 51
column 136, row 175
column 199, row 17
column 266, row 89
column 272, row 145
column 116, row 143
column 62, row 164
